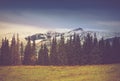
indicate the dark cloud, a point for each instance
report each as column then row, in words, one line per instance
column 96, row 14
column 59, row 4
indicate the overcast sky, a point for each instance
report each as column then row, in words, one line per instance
column 60, row 15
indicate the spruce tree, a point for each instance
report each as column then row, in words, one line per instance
column 14, row 50
column 0, row 55
column 87, row 47
column 69, row 51
column 115, row 55
column 18, row 51
column 96, row 53
column 22, row 51
column 53, row 52
column 34, row 54
column 102, row 49
column 78, row 50
column 5, row 53
column 28, row 53
column 46, row 58
column 41, row 56
column 107, row 52
column 62, row 56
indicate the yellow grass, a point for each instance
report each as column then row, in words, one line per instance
column 110, row 72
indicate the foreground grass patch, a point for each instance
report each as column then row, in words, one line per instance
column 109, row 72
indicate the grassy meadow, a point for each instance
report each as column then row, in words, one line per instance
column 110, row 72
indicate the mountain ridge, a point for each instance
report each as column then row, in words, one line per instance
column 50, row 34
column 80, row 31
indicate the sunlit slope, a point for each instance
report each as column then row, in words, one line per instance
column 61, row 73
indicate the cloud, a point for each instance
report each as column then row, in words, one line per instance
column 12, row 27
column 113, row 26
column 60, row 19
column 6, row 27
column 109, row 23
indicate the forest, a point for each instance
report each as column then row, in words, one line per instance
column 72, row 52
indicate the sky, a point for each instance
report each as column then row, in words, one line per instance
column 59, row 15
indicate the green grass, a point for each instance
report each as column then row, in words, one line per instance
column 110, row 72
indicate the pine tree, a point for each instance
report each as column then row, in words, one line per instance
column 34, row 54
column 5, row 53
column 115, row 55
column 78, row 50
column 14, row 50
column 62, row 56
column 102, row 49
column 96, row 53
column 21, row 52
column 53, row 52
column 18, row 51
column 46, row 58
column 41, row 56
column 69, row 51
column 87, row 47
column 28, row 53
column 0, row 55
column 74, row 52
column 107, row 52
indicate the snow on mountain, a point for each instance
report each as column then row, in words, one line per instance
column 82, row 33
column 46, row 37
column 99, row 34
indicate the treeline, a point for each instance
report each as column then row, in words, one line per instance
column 9, row 54
column 73, row 51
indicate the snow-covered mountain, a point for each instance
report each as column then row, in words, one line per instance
column 81, row 32
column 99, row 34
column 46, row 37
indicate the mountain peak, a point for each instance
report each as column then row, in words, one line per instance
column 77, row 29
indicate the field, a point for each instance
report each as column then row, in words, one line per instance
column 110, row 72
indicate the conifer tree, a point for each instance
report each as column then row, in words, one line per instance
column 62, row 56
column 5, row 53
column 78, row 50
column 14, row 50
column 18, row 50
column 87, row 47
column 53, row 52
column 0, row 55
column 96, row 53
column 102, row 49
column 34, row 54
column 46, row 58
column 107, row 52
column 41, row 56
column 74, row 53
column 28, row 53
column 69, row 51
column 115, row 55
column 21, row 52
